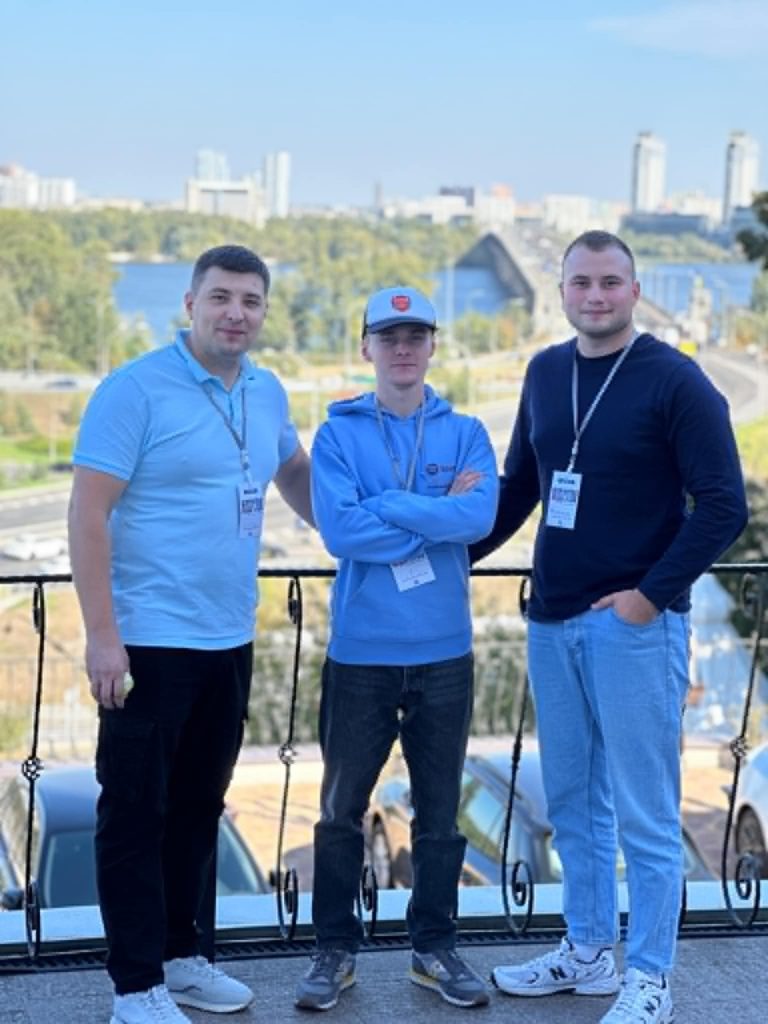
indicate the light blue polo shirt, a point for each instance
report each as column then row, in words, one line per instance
column 181, row 574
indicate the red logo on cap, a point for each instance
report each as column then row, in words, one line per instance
column 401, row 303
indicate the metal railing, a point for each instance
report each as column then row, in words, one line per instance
column 741, row 894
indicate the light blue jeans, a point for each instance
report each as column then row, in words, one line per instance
column 609, row 699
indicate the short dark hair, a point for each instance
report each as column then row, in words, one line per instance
column 597, row 241
column 236, row 258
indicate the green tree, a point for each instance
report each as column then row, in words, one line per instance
column 15, row 326
column 750, row 327
column 57, row 311
column 56, row 305
column 755, row 243
column 759, row 300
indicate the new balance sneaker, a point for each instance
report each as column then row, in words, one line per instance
column 195, row 981
column 331, row 971
column 642, row 1000
column 446, row 973
column 560, row 970
column 154, row 1006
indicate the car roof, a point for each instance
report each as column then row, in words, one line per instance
column 67, row 798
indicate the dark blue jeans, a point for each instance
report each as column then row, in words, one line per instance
column 164, row 763
column 363, row 709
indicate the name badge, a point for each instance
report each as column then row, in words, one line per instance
column 563, row 500
column 413, row 572
column 250, row 503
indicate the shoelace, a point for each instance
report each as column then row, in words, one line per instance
column 633, row 992
column 161, row 1004
column 326, row 960
column 199, row 965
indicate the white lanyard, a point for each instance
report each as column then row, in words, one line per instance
column 241, row 442
column 404, row 483
column 578, row 429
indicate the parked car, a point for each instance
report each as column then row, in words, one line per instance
column 481, row 817
column 62, row 843
column 751, row 810
column 28, row 547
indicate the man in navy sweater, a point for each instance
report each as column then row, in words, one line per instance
column 629, row 449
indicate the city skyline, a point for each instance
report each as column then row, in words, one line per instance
column 422, row 94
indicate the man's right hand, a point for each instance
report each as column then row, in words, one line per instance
column 465, row 481
column 108, row 668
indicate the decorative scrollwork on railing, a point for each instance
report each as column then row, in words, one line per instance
column 746, row 881
column 741, row 894
column 518, row 888
column 31, row 769
column 286, row 882
column 368, row 901
column 32, row 918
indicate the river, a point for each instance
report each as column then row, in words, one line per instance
column 155, row 291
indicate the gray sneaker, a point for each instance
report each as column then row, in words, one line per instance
column 560, row 970
column 332, row 971
column 444, row 971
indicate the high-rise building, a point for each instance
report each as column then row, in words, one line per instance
column 211, row 166
column 277, row 183
column 24, row 189
column 242, row 199
column 742, row 158
column 649, row 166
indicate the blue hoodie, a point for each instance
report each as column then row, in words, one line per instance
column 368, row 522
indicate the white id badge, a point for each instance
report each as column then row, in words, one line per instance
column 414, row 572
column 250, row 508
column 563, row 499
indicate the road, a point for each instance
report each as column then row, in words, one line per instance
column 742, row 380
column 44, row 513
column 27, row 511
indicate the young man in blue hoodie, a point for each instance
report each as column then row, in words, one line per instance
column 401, row 484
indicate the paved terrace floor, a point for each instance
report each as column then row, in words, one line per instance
column 718, row 980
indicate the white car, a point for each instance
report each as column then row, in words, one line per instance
column 29, row 548
column 751, row 828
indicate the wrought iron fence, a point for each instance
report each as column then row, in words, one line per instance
column 51, row 714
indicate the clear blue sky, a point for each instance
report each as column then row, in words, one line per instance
column 544, row 96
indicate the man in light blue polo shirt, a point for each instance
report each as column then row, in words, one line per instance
column 174, row 456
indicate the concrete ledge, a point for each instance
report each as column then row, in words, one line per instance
column 247, row 918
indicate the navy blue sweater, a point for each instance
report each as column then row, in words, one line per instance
column 662, row 495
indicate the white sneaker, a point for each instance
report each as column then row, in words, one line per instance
column 154, row 1006
column 560, row 970
column 195, row 981
column 641, row 1001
